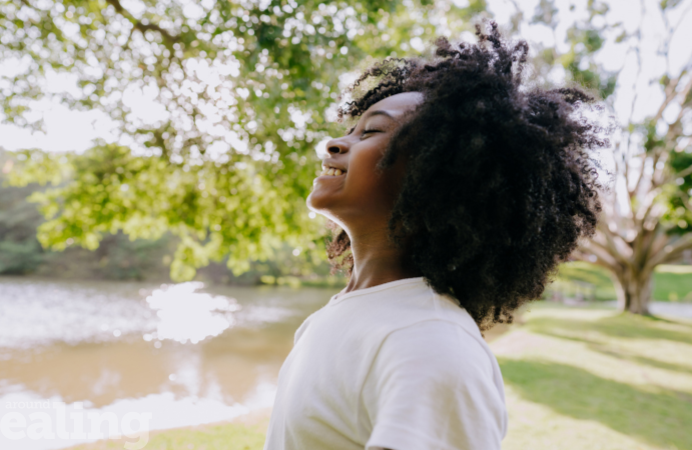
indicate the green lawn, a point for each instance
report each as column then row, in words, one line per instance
column 671, row 283
column 575, row 378
column 590, row 378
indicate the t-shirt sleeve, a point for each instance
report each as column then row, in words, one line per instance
column 434, row 386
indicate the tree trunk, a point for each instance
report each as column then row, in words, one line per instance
column 634, row 289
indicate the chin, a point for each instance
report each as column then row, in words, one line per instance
column 317, row 204
column 317, row 208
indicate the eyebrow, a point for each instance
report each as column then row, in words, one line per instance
column 378, row 112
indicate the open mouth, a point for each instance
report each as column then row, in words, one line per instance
column 332, row 172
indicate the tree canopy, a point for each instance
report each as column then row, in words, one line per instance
column 240, row 93
column 241, row 89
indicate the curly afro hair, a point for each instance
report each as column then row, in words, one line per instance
column 499, row 184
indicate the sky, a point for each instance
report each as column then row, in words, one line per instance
column 74, row 130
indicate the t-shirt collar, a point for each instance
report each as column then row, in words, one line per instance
column 380, row 287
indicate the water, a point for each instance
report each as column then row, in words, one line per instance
column 186, row 354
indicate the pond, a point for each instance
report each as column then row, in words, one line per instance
column 186, row 354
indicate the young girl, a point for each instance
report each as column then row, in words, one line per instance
column 457, row 192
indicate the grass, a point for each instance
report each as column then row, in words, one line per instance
column 209, row 437
column 671, row 283
column 576, row 379
column 594, row 379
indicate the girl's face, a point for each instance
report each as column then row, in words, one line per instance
column 361, row 195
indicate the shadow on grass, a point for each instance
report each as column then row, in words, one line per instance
column 660, row 419
column 638, row 359
column 619, row 325
column 597, row 346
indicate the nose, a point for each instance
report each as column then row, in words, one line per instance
column 336, row 146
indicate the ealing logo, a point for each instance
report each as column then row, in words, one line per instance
column 15, row 426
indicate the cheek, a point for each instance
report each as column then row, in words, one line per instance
column 365, row 159
column 371, row 185
column 362, row 174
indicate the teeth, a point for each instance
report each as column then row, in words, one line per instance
column 332, row 172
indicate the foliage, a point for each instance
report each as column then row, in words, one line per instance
column 679, row 196
column 212, row 210
column 238, row 89
column 20, row 252
column 120, row 257
column 116, row 258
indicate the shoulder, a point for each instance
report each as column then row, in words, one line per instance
column 436, row 347
column 306, row 323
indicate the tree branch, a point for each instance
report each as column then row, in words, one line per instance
column 603, row 258
column 610, row 245
column 651, row 199
column 637, row 51
column 671, row 252
column 669, row 91
column 143, row 27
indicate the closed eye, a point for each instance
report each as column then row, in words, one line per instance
column 371, row 131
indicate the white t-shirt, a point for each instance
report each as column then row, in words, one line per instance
column 394, row 366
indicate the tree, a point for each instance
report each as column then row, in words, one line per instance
column 116, row 258
column 240, row 89
column 20, row 252
column 647, row 214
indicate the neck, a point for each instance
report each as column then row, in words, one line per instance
column 377, row 260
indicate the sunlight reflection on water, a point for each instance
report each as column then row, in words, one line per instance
column 188, row 315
